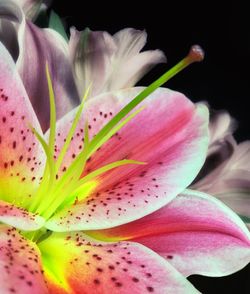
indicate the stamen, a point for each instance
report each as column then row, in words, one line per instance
column 196, row 54
column 71, row 131
column 58, row 201
column 48, row 172
column 52, row 132
column 66, row 183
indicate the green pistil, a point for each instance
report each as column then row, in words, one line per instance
column 56, row 193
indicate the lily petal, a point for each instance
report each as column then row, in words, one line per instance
column 10, row 10
column 75, row 263
column 233, row 184
column 20, row 264
column 38, row 46
column 110, row 62
column 220, row 149
column 19, row 218
column 129, row 65
column 21, row 158
column 226, row 173
column 196, row 233
column 221, row 126
column 90, row 54
column 30, row 7
column 9, row 13
column 238, row 201
column 9, row 40
column 170, row 135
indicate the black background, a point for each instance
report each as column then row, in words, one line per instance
column 222, row 79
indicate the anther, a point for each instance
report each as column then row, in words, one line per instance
column 196, row 54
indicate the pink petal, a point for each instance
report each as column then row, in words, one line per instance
column 170, row 135
column 38, row 46
column 196, row 233
column 21, row 158
column 84, row 265
column 19, row 218
column 20, row 264
column 108, row 62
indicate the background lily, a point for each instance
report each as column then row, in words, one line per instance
column 226, row 172
column 46, row 242
column 28, row 45
column 32, row 8
column 110, row 62
column 89, row 56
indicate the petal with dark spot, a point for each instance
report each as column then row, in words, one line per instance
column 20, row 264
column 75, row 263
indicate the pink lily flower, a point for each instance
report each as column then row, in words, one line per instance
column 226, row 173
column 77, row 211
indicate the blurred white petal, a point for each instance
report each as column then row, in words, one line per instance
column 226, row 173
column 110, row 62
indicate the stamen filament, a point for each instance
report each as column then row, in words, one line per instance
column 48, row 177
column 46, row 150
column 52, row 133
column 106, row 168
column 71, row 131
column 49, row 171
column 72, row 174
column 59, row 197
